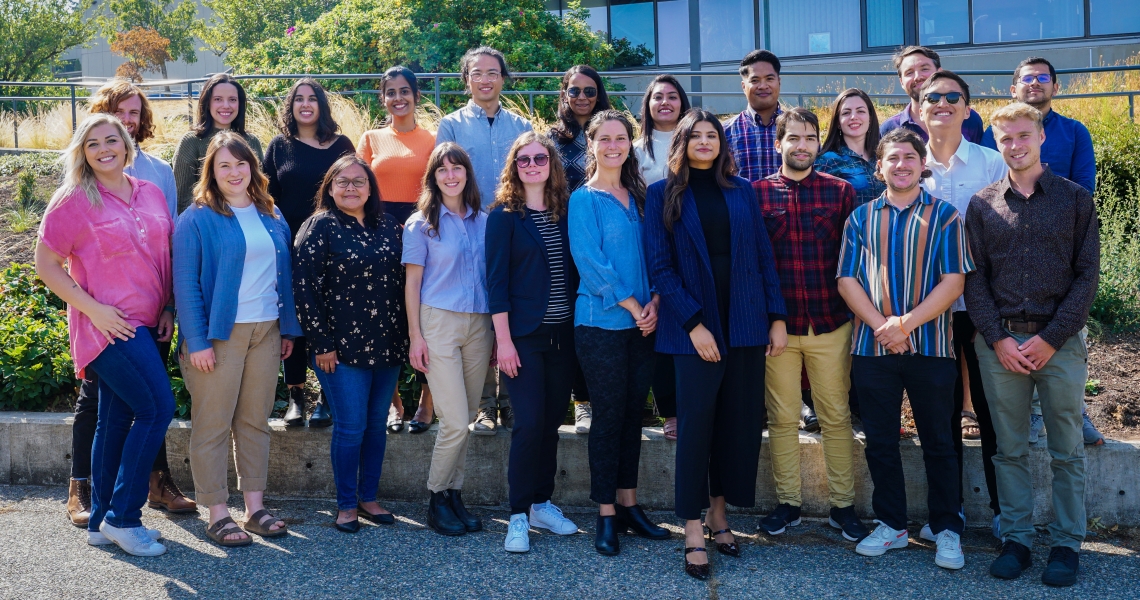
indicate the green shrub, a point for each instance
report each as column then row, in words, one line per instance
column 28, row 207
column 35, row 360
column 1117, row 303
column 43, row 164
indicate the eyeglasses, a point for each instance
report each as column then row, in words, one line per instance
column 540, row 160
column 935, row 97
column 574, row 92
column 490, row 76
column 343, row 183
column 1039, row 78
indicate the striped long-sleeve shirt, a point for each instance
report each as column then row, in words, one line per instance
column 899, row 256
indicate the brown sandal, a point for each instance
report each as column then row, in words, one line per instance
column 260, row 521
column 970, row 428
column 226, row 526
column 670, row 429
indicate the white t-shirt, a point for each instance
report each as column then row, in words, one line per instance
column 654, row 169
column 257, row 295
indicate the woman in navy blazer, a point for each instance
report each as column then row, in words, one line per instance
column 530, row 282
column 721, row 313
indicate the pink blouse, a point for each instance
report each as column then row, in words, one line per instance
column 119, row 254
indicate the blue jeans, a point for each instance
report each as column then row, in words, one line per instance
column 135, row 408
column 359, row 400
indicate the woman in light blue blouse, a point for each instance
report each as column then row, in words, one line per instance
column 849, row 150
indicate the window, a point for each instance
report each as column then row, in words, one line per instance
column 943, row 22
column 1113, row 16
column 803, row 27
column 727, row 29
column 998, row 21
column 632, row 20
column 554, row 7
column 884, row 23
column 598, row 21
column 673, row 32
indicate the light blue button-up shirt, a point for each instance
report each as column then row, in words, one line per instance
column 155, row 170
column 454, row 259
column 487, row 144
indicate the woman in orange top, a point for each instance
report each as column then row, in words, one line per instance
column 398, row 154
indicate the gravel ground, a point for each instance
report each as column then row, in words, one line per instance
column 43, row 556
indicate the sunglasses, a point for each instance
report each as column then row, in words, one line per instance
column 1040, row 78
column 540, row 160
column 935, row 98
column 575, row 91
column 343, row 183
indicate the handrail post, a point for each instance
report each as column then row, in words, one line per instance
column 437, row 99
column 190, row 101
column 1131, row 107
column 15, row 126
column 530, row 101
column 72, row 108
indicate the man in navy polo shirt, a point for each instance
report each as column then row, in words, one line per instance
column 914, row 65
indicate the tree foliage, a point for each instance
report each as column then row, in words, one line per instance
column 35, row 33
column 178, row 23
column 247, row 23
column 144, row 49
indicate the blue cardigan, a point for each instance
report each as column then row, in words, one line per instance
column 681, row 273
column 209, row 255
column 518, row 272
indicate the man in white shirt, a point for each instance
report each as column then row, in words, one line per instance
column 959, row 169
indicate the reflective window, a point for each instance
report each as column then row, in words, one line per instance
column 943, row 22
column 1114, row 16
column 998, row 21
column 554, row 7
column 673, row 32
column 632, row 20
column 598, row 21
column 727, row 29
column 884, row 23
column 802, row 27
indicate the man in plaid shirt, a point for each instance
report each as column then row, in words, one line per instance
column 804, row 212
column 751, row 135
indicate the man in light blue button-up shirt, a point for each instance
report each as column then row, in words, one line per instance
column 484, row 128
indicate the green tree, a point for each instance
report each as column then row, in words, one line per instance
column 35, row 33
column 178, row 23
column 247, row 23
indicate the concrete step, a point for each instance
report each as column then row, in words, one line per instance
column 35, row 449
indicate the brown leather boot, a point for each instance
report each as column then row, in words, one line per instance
column 165, row 495
column 79, row 502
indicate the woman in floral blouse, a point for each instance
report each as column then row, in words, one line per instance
column 348, row 283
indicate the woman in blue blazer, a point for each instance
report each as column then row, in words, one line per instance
column 721, row 313
column 530, row 284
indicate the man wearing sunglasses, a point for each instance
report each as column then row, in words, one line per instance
column 959, row 169
column 915, row 65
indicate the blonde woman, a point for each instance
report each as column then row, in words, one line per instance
column 112, row 232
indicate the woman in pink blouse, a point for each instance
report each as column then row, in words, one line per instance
column 104, row 248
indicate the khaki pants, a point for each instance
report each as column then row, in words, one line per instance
column 234, row 401
column 828, row 361
column 459, row 349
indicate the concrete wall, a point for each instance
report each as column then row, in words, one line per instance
column 35, row 449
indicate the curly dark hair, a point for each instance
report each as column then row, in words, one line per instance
column 567, row 127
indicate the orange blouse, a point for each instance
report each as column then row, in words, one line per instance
column 398, row 159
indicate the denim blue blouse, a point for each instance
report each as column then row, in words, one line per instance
column 606, row 243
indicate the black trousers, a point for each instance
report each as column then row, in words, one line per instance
column 720, row 410
column 540, row 396
column 400, row 210
column 964, row 331
column 618, row 366
column 298, row 361
column 929, row 384
column 665, row 386
column 87, row 416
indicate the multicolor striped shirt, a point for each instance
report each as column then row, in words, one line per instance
column 899, row 256
column 753, row 144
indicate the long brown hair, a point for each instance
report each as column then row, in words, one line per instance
column 647, row 129
column 107, row 98
column 835, row 132
column 631, row 178
column 512, row 195
column 431, row 197
column 327, row 127
column 323, row 201
column 678, row 176
column 206, row 191
column 203, row 120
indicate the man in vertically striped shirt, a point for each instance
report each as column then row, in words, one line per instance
column 902, row 264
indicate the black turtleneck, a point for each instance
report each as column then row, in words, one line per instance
column 712, row 209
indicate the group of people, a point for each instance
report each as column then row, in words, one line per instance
column 703, row 261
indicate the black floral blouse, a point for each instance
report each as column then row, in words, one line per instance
column 348, row 282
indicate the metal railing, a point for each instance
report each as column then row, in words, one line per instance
column 436, row 92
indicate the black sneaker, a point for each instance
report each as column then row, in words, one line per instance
column 845, row 520
column 785, row 515
column 507, row 418
column 1061, row 571
column 1014, row 559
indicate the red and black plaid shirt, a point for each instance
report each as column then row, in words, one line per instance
column 805, row 223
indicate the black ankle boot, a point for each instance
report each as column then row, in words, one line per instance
column 295, row 414
column 634, row 518
column 470, row 521
column 321, row 416
column 441, row 517
column 606, row 540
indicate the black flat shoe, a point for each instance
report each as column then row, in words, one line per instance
column 700, row 572
column 418, row 426
column 352, row 526
column 730, row 548
column 321, row 416
column 377, row 518
column 606, row 539
column 634, row 518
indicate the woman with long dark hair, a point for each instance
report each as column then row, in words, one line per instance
column 614, row 315
column 849, row 150
column 296, row 162
column 721, row 314
column 581, row 95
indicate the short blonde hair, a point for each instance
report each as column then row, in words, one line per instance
column 77, row 174
column 1017, row 110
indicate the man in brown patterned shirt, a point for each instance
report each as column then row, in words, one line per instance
column 1034, row 239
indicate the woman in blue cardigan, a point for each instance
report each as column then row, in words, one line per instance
column 721, row 313
column 236, row 319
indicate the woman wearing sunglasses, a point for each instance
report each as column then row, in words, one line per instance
column 530, row 282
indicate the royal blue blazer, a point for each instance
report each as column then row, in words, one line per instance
column 518, row 272
column 680, row 271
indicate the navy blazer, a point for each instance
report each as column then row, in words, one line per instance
column 518, row 273
column 680, row 271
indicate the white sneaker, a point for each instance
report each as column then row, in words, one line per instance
column 949, row 555
column 133, row 540
column 583, row 417
column 927, row 534
column 96, row 538
column 882, row 539
column 548, row 516
column 518, row 534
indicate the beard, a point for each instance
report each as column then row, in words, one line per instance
column 902, row 190
column 798, row 165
